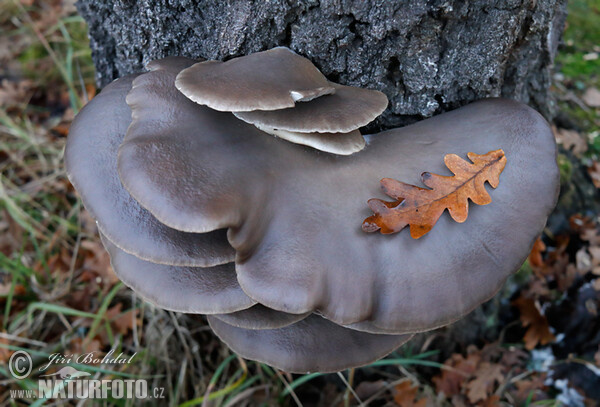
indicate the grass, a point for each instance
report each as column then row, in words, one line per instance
column 56, row 288
column 579, row 64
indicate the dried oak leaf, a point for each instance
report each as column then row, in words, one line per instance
column 594, row 172
column 457, row 370
column 538, row 329
column 535, row 257
column 422, row 207
column 481, row 387
column 571, row 140
column 531, row 389
column 405, row 395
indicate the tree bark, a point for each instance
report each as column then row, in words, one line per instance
column 427, row 56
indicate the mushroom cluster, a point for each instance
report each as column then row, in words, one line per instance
column 237, row 189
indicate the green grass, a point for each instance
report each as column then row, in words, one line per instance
column 582, row 37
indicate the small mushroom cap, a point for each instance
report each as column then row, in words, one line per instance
column 311, row 345
column 268, row 80
column 210, row 290
column 91, row 162
column 285, row 202
column 344, row 111
column 335, row 143
column 260, row 317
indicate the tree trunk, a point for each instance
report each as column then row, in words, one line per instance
column 428, row 56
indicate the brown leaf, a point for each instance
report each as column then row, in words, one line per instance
column 591, row 97
column 492, row 401
column 14, row 93
column 533, row 387
column 422, row 207
column 405, row 395
column 122, row 323
column 594, row 172
column 458, row 369
column 4, row 351
column 570, row 140
column 535, row 257
column 481, row 387
column 514, row 358
column 79, row 346
column 97, row 260
column 580, row 223
column 538, row 329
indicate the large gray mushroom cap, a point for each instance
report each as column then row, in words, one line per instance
column 294, row 215
column 309, row 290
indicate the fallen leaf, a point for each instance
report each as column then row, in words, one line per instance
column 514, row 358
column 535, row 257
column 583, row 261
column 405, row 395
column 422, row 207
column 481, row 387
column 97, row 260
column 6, row 287
column 492, row 401
column 14, row 93
column 591, row 97
column 595, row 259
column 458, row 370
column 4, row 351
column 592, row 236
column 78, row 346
column 122, row 322
column 532, row 389
column 538, row 330
column 571, row 140
column 594, row 172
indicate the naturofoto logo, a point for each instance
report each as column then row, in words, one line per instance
column 71, row 383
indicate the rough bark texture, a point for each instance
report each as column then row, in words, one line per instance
column 426, row 55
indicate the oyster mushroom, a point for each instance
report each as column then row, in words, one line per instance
column 343, row 111
column 313, row 344
column 294, row 215
column 311, row 291
column 260, row 317
column 269, row 80
column 262, row 89
column 197, row 290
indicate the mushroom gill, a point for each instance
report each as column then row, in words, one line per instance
column 309, row 290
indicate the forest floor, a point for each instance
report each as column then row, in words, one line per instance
column 537, row 343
